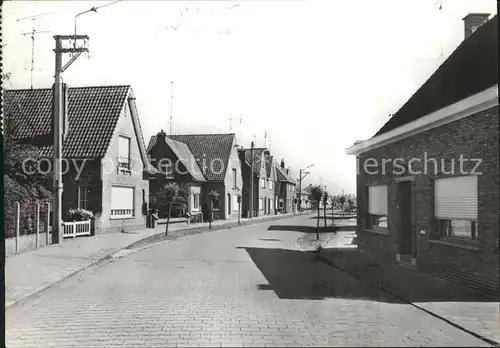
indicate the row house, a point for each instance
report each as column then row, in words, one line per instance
column 105, row 168
column 436, row 210
column 202, row 163
column 285, row 189
column 264, row 178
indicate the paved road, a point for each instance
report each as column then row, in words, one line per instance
column 246, row 286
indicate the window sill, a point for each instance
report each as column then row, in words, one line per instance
column 377, row 231
column 463, row 244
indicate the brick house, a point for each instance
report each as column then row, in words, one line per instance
column 216, row 156
column 175, row 163
column 104, row 157
column 436, row 208
column 263, row 183
column 285, row 189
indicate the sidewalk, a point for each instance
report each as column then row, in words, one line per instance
column 29, row 273
column 471, row 311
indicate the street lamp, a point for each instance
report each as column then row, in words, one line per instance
column 300, row 184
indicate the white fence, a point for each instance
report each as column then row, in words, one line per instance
column 76, row 228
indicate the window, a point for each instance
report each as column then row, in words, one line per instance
column 83, row 194
column 377, row 207
column 270, row 184
column 123, row 152
column 196, row 201
column 234, row 178
column 261, row 204
column 122, row 202
column 167, row 168
column 262, row 183
column 455, row 207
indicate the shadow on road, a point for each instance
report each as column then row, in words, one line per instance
column 301, row 275
column 304, row 229
column 349, row 274
column 329, row 217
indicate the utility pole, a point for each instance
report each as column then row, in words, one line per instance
column 300, row 184
column 250, row 192
column 59, row 109
column 265, row 139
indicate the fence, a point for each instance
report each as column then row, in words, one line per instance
column 30, row 226
column 76, row 228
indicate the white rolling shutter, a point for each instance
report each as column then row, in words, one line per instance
column 377, row 200
column 235, row 203
column 456, row 198
column 123, row 147
column 122, row 200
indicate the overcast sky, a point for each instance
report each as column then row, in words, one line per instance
column 317, row 75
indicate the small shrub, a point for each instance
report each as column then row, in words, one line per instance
column 78, row 215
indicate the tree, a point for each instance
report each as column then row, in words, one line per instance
column 315, row 195
column 172, row 193
column 342, row 201
column 325, row 201
column 24, row 182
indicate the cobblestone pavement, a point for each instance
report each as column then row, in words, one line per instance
column 242, row 287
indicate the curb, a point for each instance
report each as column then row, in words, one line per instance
column 42, row 289
column 491, row 342
column 186, row 232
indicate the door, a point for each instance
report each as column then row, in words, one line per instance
column 405, row 220
column 228, row 204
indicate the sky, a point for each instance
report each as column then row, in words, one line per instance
column 315, row 75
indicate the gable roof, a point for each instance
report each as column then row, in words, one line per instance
column 269, row 166
column 182, row 152
column 470, row 69
column 282, row 176
column 93, row 114
column 257, row 153
column 216, row 147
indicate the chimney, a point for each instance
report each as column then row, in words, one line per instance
column 160, row 137
column 282, row 164
column 473, row 21
column 204, row 164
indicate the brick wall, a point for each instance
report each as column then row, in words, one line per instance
column 110, row 177
column 475, row 137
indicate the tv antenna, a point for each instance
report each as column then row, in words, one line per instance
column 171, row 104
column 33, row 33
column 231, row 126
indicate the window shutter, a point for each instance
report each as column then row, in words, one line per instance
column 377, row 200
column 456, row 198
column 122, row 198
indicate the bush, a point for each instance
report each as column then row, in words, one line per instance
column 78, row 215
column 27, row 196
